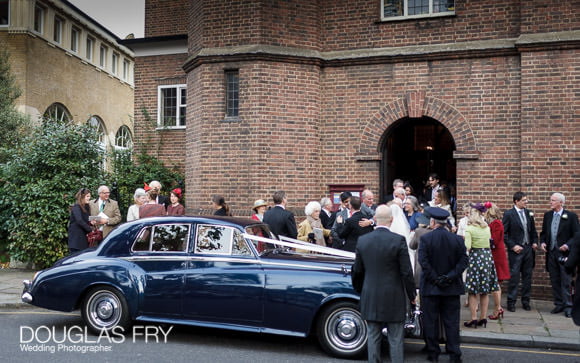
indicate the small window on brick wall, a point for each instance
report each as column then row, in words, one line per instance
column 402, row 9
column 172, row 103
column 232, row 93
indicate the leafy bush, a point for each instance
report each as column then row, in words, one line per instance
column 38, row 186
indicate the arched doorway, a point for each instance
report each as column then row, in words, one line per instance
column 412, row 149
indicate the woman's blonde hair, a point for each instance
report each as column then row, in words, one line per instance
column 475, row 218
column 493, row 213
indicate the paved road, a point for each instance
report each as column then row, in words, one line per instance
column 38, row 329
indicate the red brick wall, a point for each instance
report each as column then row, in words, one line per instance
column 275, row 145
column 513, row 116
column 151, row 72
column 165, row 17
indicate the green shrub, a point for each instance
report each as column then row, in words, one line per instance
column 38, row 186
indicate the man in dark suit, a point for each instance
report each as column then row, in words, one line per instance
column 281, row 221
column 572, row 265
column 382, row 274
column 327, row 217
column 397, row 183
column 350, row 230
column 344, row 213
column 443, row 258
column 159, row 199
column 521, row 240
column 431, row 190
column 558, row 229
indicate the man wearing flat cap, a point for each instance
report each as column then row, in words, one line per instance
column 443, row 257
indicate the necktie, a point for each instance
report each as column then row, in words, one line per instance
column 555, row 225
column 102, row 207
column 525, row 225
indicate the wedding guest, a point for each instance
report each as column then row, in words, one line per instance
column 259, row 209
column 481, row 278
column 220, row 206
column 79, row 224
column 151, row 208
column 493, row 218
column 175, row 208
column 140, row 198
column 411, row 207
column 108, row 209
column 311, row 229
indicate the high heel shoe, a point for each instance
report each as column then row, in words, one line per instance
column 470, row 324
column 482, row 322
column 496, row 315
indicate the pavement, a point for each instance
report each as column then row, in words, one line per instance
column 525, row 329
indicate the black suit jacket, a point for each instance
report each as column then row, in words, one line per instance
column 567, row 228
column 572, row 264
column 514, row 230
column 442, row 253
column 327, row 221
column 350, row 231
column 281, row 222
column 382, row 274
column 161, row 199
column 78, row 228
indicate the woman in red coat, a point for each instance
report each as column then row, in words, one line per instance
column 498, row 251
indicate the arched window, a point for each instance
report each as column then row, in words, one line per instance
column 97, row 123
column 57, row 112
column 123, row 139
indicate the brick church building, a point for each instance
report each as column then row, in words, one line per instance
column 317, row 96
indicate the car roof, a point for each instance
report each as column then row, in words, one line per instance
column 240, row 221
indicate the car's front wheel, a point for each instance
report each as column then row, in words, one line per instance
column 104, row 308
column 342, row 332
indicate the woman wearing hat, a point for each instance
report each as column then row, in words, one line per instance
column 481, row 277
column 175, row 208
column 259, row 209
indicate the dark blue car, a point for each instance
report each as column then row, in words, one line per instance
column 207, row 271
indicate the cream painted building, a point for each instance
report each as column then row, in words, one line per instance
column 69, row 66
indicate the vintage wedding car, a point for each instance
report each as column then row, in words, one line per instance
column 212, row 272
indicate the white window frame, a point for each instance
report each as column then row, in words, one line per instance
column 75, row 35
column 57, row 31
column 103, row 51
column 126, row 66
column 123, row 139
column 406, row 15
column 115, row 63
column 179, row 106
column 9, row 15
column 39, row 13
column 89, row 47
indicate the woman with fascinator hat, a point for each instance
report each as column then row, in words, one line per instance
column 175, row 208
column 481, row 276
column 493, row 216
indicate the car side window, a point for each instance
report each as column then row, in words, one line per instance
column 240, row 247
column 212, row 239
column 163, row 238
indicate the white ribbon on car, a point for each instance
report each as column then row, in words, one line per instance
column 301, row 245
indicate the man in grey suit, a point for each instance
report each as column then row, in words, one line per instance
column 382, row 274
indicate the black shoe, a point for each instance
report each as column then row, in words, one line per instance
column 526, row 307
column 512, row 308
column 432, row 358
column 557, row 309
column 568, row 313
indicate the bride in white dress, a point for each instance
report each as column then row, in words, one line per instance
column 400, row 225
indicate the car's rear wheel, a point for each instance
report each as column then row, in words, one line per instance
column 342, row 332
column 104, row 308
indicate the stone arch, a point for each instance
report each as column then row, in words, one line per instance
column 416, row 105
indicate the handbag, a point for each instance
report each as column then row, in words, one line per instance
column 414, row 323
column 94, row 237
